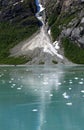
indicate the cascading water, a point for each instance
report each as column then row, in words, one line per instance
column 41, row 16
column 40, row 11
column 39, row 47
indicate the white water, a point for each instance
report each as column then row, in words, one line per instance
column 42, row 39
column 47, row 46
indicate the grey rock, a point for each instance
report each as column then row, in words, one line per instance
column 75, row 33
column 82, row 20
column 67, row 32
column 81, row 40
column 17, row 11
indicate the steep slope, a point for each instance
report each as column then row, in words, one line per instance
column 39, row 48
column 14, row 11
column 17, row 22
column 66, row 20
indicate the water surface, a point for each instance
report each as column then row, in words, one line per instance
column 42, row 98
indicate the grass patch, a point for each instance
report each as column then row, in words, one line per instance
column 53, row 61
column 10, row 35
column 14, row 60
column 73, row 52
column 55, row 31
column 52, row 19
column 41, row 63
column 66, row 19
column 61, row 21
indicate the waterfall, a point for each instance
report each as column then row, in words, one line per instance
column 40, row 10
column 40, row 48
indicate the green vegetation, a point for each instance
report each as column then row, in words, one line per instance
column 10, row 35
column 41, row 62
column 53, row 61
column 14, row 60
column 57, row 25
column 73, row 52
column 52, row 19
column 55, row 31
column 64, row 20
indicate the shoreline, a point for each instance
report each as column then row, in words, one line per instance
column 34, row 65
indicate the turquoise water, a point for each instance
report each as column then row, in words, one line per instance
column 42, row 98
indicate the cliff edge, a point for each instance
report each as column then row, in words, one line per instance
column 66, row 21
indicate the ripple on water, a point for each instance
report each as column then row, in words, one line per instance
column 45, row 83
column 0, row 76
column 65, row 95
column 80, row 83
column 76, row 78
column 82, row 91
column 3, row 81
column 35, row 110
column 82, row 79
column 22, row 77
column 59, row 83
column 19, row 88
column 70, row 82
column 18, row 79
column 12, row 86
column 69, row 103
column 46, row 91
column 64, row 81
column 35, row 90
column 5, row 70
column 27, row 70
column 10, row 81
column 39, row 76
column 51, row 95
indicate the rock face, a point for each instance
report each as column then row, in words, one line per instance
column 17, row 23
column 67, row 16
column 18, row 11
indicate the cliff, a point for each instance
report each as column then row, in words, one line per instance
column 66, row 20
column 14, row 11
column 17, row 22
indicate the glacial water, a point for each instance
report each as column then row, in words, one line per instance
column 42, row 98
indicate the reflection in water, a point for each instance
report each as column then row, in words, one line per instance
column 42, row 98
column 42, row 84
column 46, row 94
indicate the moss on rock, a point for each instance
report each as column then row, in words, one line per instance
column 73, row 52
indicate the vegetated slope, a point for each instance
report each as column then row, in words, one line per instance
column 66, row 20
column 17, row 22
